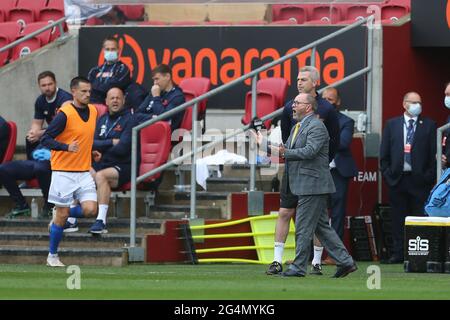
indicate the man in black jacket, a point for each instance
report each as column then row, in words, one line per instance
column 408, row 165
column 112, row 153
column 112, row 73
column 164, row 96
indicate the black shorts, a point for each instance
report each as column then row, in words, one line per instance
column 288, row 200
column 123, row 169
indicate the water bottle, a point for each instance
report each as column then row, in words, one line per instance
column 34, row 209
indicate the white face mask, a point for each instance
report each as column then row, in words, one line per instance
column 415, row 109
column 447, row 101
column 110, row 55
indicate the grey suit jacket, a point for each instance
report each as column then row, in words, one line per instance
column 307, row 165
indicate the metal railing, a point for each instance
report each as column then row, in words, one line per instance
column 254, row 75
column 58, row 23
column 440, row 130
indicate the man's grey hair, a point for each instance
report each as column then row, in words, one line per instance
column 311, row 100
column 314, row 73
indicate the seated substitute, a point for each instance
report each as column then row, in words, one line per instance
column 4, row 137
column 164, row 96
column 112, row 153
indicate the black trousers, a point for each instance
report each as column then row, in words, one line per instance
column 25, row 170
column 406, row 199
column 338, row 204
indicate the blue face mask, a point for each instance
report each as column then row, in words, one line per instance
column 110, row 55
column 447, row 101
column 415, row 109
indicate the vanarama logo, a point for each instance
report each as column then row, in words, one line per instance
column 131, row 54
column 224, row 65
column 418, row 247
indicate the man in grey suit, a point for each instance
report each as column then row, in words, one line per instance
column 307, row 175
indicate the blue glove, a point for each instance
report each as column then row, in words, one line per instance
column 41, row 154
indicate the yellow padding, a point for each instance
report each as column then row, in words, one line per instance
column 235, row 235
column 237, row 248
column 219, row 260
column 264, row 243
column 235, row 222
column 427, row 223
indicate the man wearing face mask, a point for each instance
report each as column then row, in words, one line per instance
column 408, row 164
column 446, row 139
column 112, row 73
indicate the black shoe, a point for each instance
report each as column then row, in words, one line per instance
column 23, row 210
column 274, row 268
column 344, row 271
column 316, row 269
column 292, row 273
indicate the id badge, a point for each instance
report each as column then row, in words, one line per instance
column 407, row 148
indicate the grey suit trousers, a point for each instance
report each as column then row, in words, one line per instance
column 312, row 217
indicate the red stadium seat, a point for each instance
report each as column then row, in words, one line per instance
column 11, row 30
column 5, row 55
column 133, row 12
column 5, row 8
column 101, row 109
column 265, row 104
column 155, row 150
column 393, row 12
column 324, row 13
column 45, row 36
column 192, row 88
column 27, row 11
column 11, row 148
column 33, row 183
column 197, row 86
column 53, row 11
column 402, row 3
column 25, row 48
column 278, row 87
column 356, row 12
column 286, row 12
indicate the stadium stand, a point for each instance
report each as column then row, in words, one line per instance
column 11, row 149
column 5, row 7
column 26, row 11
column 53, row 11
column 133, row 12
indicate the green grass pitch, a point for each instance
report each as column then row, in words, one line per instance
column 215, row 281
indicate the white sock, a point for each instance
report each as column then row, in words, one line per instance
column 71, row 220
column 278, row 252
column 317, row 255
column 102, row 211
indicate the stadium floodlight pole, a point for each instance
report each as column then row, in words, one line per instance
column 439, row 132
column 252, row 149
column 194, row 162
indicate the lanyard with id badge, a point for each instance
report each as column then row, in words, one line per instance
column 104, row 130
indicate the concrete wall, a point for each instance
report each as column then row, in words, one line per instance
column 18, row 81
